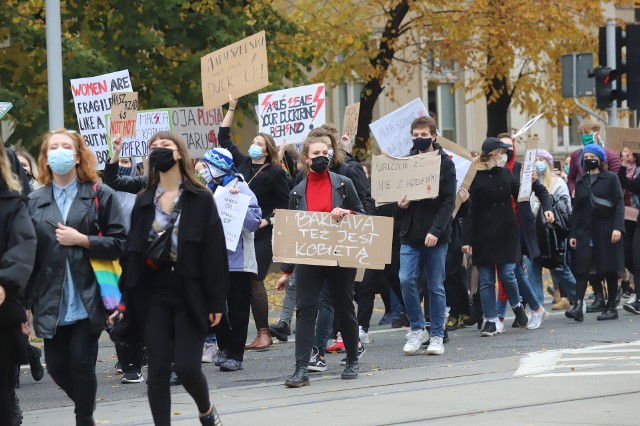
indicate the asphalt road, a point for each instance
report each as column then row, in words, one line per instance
column 382, row 354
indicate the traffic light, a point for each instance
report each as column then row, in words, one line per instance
column 604, row 78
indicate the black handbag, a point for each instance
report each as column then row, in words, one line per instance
column 601, row 207
column 157, row 250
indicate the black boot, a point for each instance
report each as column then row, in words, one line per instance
column 476, row 311
column 598, row 304
column 37, row 370
column 17, row 412
column 576, row 312
column 211, row 419
column 351, row 370
column 280, row 331
column 299, row 378
column 610, row 314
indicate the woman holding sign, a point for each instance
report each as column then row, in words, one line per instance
column 175, row 275
column 322, row 191
column 261, row 169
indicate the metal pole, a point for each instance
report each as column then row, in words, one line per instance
column 611, row 63
column 54, row 64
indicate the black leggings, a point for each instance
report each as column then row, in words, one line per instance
column 232, row 330
column 170, row 334
column 7, row 371
column 612, row 285
column 71, row 361
column 454, row 284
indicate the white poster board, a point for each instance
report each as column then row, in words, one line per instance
column 198, row 127
column 393, row 131
column 527, row 126
column 232, row 209
column 417, row 177
column 289, row 115
column 92, row 99
column 4, row 108
column 149, row 123
column 528, row 165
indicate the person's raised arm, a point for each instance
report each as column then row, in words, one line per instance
column 228, row 118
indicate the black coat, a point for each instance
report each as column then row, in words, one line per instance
column 202, row 258
column 47, row 280
column 17, row 256
column 431, row 215
column 491, row 228
column 587, row 226
column 631, row 185
column 130, row 184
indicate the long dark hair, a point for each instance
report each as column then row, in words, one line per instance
column 189, row 180
column 272, row 151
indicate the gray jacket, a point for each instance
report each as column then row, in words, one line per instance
column 44, row 292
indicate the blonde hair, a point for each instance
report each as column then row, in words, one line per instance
column 85, row 169
column 11, row 180
column 480, row 162
column 588, row 126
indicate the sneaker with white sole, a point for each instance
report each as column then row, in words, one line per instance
column 361, row 352
column 132, row 375
column 500, row 326
column 537, row 318
column 489, row 329
column 416, row 338
column 436, row 347
column 364, row 335
column 316, row 362
column 209, row 352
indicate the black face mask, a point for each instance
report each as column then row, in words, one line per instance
column 591, row 164
column 319, row 164
column 162, row 159
column 422, row 144
column 509, row 155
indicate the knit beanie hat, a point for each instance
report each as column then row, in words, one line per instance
column 543, row 153
column 594, row 149
column 219, row 161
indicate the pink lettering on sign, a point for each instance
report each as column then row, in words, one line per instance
column 90, row 89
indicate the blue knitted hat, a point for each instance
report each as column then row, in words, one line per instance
column 594, row 149
column 219, row 161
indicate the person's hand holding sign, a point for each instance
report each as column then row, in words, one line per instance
column 116, row 142
column 403, row 203
column 339, row 213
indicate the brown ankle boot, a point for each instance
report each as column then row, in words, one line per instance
column 262, row 341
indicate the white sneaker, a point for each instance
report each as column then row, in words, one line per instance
column 436, row 346
column 364, row 336
column 416, row 338
column 500, row 326
column 537, row 318
column 209, row 352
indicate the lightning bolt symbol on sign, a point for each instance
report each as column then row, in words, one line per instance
column 265, row 103
column 318, row 101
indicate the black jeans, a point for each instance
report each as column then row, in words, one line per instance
column 636, row 261
column 7, row 371
column 309, row 280
column 454, row 283
column 170, row 334
column 374, row 281
column 232, row 330
column 130, row 356
column 71, row 357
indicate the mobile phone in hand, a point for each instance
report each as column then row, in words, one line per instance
column 557, row 165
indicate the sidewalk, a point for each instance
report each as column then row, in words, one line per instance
column 497, row 391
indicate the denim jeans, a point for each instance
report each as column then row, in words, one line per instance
column 487, row 284
column 396, row 306
column 289, row 301
column 433, row 259
column 562, row 278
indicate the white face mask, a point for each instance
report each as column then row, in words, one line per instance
column 502, row 161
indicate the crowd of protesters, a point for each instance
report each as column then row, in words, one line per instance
column 186, row 298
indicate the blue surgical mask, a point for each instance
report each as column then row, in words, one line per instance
column 566, row 169
column 61, row 160
column 255, row 152
column 541, row 166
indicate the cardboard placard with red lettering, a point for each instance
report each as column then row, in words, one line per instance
column 289, row 115
column 92, row 99
column 237, row 69
column 314, row 238
column 124, row 107
column 198, row 127
column 350, row 121
column 149, row 123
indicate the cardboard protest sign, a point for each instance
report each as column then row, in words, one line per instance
column 527, row 126
column 314, row 238
column 232, row 209
column 417, row 176
column 124, row 107
column 350, row 121
column 198, row 127
column 148, row 124
column 4, row 108
column 527, row 169
column 393, row 131
column 289, row 115
column 92, row 99
column 619, row 138
column 238, row 69
column 465, row 171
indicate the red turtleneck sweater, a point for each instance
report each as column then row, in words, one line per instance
column 319, row 192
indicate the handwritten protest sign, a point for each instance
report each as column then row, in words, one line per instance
column 238, row 69
column 527, row 126
column 232, row 209
column 148, row 124
column 417, row 176
column 619, row 138
column 198, row 127
column 350, row 122
column 124, row 107
column 92, row 98
column 465, row 171
column 289, row 115
column 528, row 165
column 4, row 108
column 393, row 131
column 314, row 238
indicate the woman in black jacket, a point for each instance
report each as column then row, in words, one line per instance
column 632, row 185
column 17, row 255
column 174, row 300
column 266, row 178
column 323, row 191
column 63, row 292
column 597, row 224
